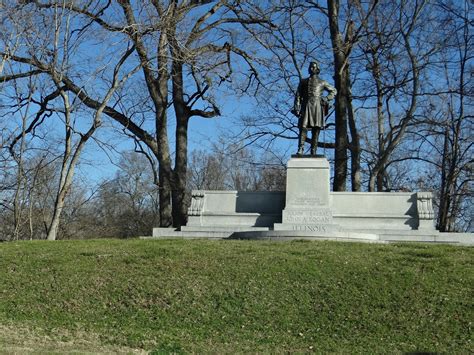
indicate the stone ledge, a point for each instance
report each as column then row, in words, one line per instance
column 223, row 228
column 237, row 214
column 368, row 236
column 315, row 163
column 172, row 233
column 305, row 235
column 371, row 215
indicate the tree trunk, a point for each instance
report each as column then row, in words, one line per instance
column 340, row 164
column 376, row 176
column 444, row 195
column 372, row 180
column 66, row 178
column 158, row 89
column 376, row 72
column 180, row 173
column 355, row 141
column 159, row 92
column 165, row 196
column 165, row 172
column 66, row 173
column 182, row 119
column 58, row 209
column 70, row 160
column 20, row 181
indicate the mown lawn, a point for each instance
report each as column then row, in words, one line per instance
column 181, row 296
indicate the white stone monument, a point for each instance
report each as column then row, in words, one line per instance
column 308, row 199
column 309, row 210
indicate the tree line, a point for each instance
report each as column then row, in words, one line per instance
column 73, row 70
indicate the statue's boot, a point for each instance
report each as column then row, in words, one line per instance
column 302, row 140
column 314, row 140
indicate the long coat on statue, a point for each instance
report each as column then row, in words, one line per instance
column 310, row 105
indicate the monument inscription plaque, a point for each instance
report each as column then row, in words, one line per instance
column 308, row 204
column 313, row 216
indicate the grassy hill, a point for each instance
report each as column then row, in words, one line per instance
column 234, row 296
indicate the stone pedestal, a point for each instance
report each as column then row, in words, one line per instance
column 308, row 203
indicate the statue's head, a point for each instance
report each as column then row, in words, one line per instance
column 314, row 68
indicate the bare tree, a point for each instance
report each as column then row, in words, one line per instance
column 235, row 167
column 127, row 205
column 172, row 41
column 296, row 39
column 149, row 67
column 353, row 16
column 302, row 36
column 447, row 122
column 52, row 55
column 396, row 58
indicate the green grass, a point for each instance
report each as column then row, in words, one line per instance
column 199, row 296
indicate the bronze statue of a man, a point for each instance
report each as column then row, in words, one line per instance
column 311, row 106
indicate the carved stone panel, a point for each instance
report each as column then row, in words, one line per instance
column 308, row 204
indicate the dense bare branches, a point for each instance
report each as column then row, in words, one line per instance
column 146, row 68
column 172, row 41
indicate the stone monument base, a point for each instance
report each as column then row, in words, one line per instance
column 309, row 210
column 307, row 198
